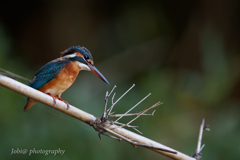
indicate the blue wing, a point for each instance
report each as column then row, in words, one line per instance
column 47, row 72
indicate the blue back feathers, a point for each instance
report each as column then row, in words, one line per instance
column 48, row 72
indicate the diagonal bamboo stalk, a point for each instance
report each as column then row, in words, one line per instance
column 88, row 118
column 14, row 76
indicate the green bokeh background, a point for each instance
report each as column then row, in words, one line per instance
column 185, row 53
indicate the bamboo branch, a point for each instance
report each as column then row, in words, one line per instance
column 90, row 119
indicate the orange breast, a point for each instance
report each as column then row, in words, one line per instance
column 62, row 81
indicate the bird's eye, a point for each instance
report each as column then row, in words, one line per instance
column 86, row 57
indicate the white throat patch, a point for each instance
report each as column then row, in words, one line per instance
column 83, row 66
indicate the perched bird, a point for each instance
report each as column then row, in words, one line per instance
column 59, row 74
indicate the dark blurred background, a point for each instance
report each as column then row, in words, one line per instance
column 186, row 53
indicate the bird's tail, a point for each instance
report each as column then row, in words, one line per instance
column 29, row 103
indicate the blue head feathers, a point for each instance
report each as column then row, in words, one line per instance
column 83, row 50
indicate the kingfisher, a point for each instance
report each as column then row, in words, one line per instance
column 59, row 74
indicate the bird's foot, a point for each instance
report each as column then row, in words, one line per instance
column 64, row 102
column 54, row 99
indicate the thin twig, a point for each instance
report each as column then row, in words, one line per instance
column 206, row 128
column 127, row 125
column 105, row 107
column 137, row 130
column 133, row 107
column 202, row 147
column 112, row 90
column 123, row 125
column 110, row 108
column 106, row 101
column 103, row 133
column 198, row 150
column 155, row 105
column 120, row 98
column 198, row 154
column 131, row 114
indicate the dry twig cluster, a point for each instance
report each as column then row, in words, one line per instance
column 101, row 128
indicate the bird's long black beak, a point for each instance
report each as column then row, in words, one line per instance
column 99, row 74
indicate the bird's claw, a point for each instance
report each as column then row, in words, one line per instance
column 64, row 102
column 54, row 99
